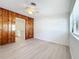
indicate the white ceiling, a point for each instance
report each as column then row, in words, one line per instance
column 45, row 7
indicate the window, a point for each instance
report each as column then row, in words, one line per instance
column 75, row 27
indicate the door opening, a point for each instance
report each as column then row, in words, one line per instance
column 20, row 29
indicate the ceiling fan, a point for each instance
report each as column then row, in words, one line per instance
column 32, row 9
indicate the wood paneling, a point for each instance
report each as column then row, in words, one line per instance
column 12, row 26
column 29, row 28
column 7, row 23
column 7, row 19
column 1, row 26
column 5, row 27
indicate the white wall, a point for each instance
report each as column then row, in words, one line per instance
column 53, row 29
column 51, row 24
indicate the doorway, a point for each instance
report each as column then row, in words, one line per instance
column 20, row 30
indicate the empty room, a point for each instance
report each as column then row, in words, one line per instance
column 39, row 29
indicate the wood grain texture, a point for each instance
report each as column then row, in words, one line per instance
column 0, row 26
column 30, row 28
column 7, row 20
column 34, row 49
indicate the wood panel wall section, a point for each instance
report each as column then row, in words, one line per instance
column 7, row 21
column 30, row 27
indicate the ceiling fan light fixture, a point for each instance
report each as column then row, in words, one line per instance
column 31, row 9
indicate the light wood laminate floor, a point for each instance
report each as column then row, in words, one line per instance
column 34, row 49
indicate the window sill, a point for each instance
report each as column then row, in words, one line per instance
column 75, row 36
